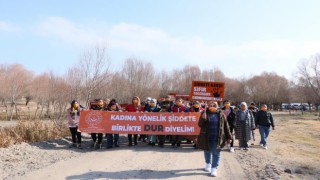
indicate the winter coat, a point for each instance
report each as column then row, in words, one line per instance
column 132, row 108
column 167, row 104
column 182, row 108
column 99, row 108
column 192, row 109
column 254, row 111
column 224, row 131
column 264, row 118
column 156, row 109
column 73, row 117
column 243, row 129
column 231, row 117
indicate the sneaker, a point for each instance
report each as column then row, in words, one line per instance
column 207, row 168
column 232, row 149
column 247, row 149
column 265, row 147
column 261, row 145
column 214, row 172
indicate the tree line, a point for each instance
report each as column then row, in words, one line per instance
column 92, row 77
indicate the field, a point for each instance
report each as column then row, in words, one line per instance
column 293, row 153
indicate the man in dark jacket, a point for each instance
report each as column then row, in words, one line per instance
column 264, row 120
column 230, row 114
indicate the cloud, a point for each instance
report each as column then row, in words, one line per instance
column 279, row 55
column 8, row 27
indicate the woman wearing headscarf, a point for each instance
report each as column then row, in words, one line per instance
column 244, row 125
column 135, row 106
column 215, row 133
column 73, row 121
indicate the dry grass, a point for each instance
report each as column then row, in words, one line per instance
column 299, row 139
column 32, row 131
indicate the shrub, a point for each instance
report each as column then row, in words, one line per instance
column 30, row 131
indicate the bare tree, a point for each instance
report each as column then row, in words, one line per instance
column 95, row 67
column 308, row 78
column 17, row 80
column 140, row 78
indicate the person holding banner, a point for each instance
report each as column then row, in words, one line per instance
column 213, row 136
column 196, row 107
column 230, row 114
column 73, row 120
column 134, row 107
column 178, row 108
column 152, row 108
column 112, row 139
column 244, row 125
column 100, row 107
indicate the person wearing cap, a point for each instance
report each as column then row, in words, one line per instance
column 264, row 120
column 244, row 125
column 178, row 107
column 73, row 122
column 230, row 114
column 112, row 139
column 216, row 133
column 135, row 106
column 152, row 108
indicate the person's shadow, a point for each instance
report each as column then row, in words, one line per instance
column 139, row 174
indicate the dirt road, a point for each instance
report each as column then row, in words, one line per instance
column 141, row 162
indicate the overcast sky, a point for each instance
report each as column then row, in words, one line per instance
column 242, row 38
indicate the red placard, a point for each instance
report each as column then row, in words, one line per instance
column 208, row 91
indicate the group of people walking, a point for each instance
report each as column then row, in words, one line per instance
column 219, row 126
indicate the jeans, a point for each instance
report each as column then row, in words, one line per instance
column 152, row 138
column 264, row 133
column 112, row 139
column 213, row 155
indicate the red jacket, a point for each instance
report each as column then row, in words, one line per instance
column 132, row 108
column 182, row 108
